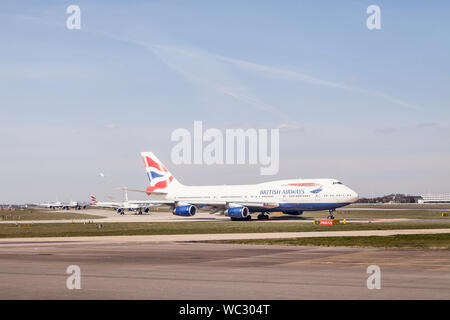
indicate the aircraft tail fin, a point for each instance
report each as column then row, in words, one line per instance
column 93, row 200
column 159, row 177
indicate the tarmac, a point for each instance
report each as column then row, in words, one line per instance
column 5, row 242
column 185, row 267
column 119, row 269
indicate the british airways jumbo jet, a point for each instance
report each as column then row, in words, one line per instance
column 239, row 201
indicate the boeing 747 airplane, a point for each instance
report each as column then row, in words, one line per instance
column 239, row 201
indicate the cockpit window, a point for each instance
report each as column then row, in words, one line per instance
column 337, row 182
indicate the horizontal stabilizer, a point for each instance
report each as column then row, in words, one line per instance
column 148, row 192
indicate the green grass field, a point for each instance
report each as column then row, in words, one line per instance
column 425, row 241
column 40, row 214
column 150, row 228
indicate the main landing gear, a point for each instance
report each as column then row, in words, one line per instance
column 263, row 216
column 331, row 215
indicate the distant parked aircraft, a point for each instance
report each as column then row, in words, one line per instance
column 51, row 205
column 74, row 205
column 60, row 205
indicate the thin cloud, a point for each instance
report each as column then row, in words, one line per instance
column 273, row 71
column 162, row 51
column 223, row 83
column 204, row 69
column 288, row 126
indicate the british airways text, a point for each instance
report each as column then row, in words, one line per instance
column 285, row 191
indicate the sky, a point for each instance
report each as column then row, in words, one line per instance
column 368, row 107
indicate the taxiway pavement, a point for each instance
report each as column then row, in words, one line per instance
column 184, row 270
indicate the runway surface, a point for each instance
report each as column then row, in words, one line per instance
column 183, row 270
column 213, row 236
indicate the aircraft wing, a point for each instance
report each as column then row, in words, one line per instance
column 147, row 192
column 206, row 205
column 227, row 204
column 267, row 205
column 107, row 205
column 143, row 204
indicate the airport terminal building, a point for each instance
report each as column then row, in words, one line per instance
column 435, row 198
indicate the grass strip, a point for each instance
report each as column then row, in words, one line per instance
column 159, row 228
column 420, row 241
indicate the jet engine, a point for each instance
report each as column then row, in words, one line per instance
column 237, row 212
column 185, row 211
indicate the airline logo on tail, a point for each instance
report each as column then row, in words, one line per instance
column 93, row 200
column 157, row 174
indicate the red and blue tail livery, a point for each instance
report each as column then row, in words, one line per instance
column 158, row 176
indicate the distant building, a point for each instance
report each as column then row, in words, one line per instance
column 391, row 198
column 435, row 198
